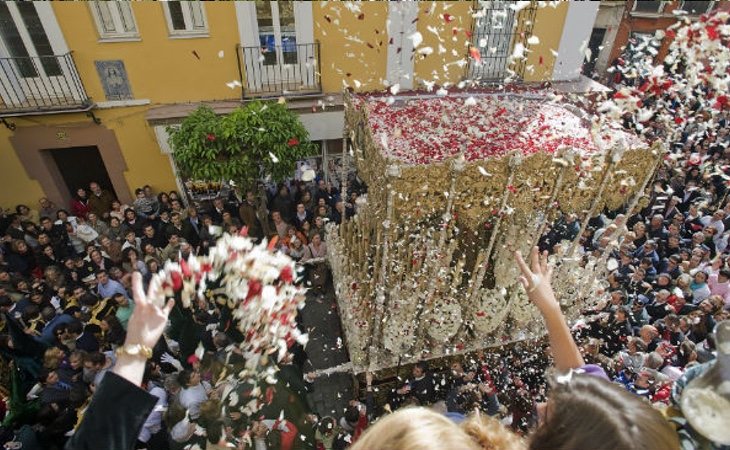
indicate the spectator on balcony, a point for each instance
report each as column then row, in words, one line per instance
column 80, row 203
column 100, row 200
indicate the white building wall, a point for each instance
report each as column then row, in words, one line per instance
column 574, row 41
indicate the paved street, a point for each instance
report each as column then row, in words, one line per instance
column 326, row 349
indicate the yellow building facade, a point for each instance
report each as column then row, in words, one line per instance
column 88, row 88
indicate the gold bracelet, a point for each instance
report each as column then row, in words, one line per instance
column 134, row 350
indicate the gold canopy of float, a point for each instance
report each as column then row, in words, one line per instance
column 425, row 269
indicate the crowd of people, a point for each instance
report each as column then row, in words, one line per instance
column 70, row 299
column 65, row 295
column 66, row 301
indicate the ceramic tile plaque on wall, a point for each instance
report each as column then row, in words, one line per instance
column 114, row 79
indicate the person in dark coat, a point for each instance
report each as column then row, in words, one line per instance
column 284, row 204
column 20, row 259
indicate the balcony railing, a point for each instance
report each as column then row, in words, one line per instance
column 498, row 28
column 41, row 84
column 289, row 69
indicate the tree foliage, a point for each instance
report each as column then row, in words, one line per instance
column 257, row 140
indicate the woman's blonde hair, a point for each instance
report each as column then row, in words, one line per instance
column 52, row 358
column 415, row 429
column 490, row 434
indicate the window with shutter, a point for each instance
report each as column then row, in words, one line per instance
column 114, row 20
column 185, row 18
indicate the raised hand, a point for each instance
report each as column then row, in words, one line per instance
column 537, row 278
column 148, row 321
column 536, row 281
column 144, row 328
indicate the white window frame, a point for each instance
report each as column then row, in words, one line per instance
column 248, row 30
column 116, row 15
column 662, row 5
column 709, row 8
column 189, row 31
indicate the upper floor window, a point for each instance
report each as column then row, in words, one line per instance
column 277, row 31
column 185, row 18
column 114, row 19
column 696, row 8
column 648, row 6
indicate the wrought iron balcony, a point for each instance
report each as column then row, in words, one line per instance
column 289, row 69
column 31, row 85
column 498, row 28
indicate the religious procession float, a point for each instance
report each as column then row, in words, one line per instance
column 456, row 183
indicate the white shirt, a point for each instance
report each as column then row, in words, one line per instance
column 191, row 398
column 153, row 424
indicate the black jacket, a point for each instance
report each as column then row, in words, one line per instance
column 115, row 416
